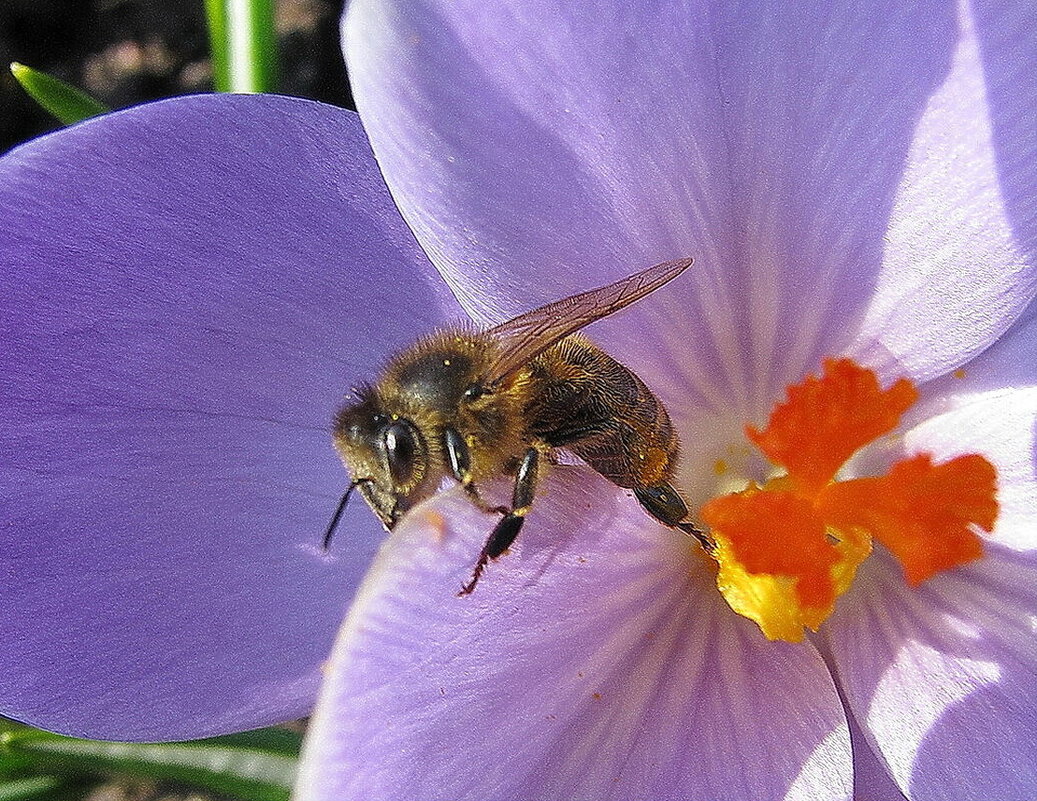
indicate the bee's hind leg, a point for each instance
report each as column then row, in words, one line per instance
column 666, row 505
column 508, row 527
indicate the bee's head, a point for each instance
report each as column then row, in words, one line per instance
column 384, row 452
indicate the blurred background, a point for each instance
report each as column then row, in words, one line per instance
column 124, row 52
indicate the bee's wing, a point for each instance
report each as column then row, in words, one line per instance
column 529, row 334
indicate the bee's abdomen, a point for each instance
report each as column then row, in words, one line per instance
column 589, row 403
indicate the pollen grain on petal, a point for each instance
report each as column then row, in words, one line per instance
column 825, row 420
column 923, row 513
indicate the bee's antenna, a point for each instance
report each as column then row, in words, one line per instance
column 326, row 543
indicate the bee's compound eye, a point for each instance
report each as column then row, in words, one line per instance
column 401, row 448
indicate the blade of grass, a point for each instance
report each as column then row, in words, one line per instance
column 37, row 788
column 249, row 773
column 216, row 14
column 277, row 740
column 243, row 44
column 65, row 102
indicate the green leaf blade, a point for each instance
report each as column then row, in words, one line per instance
column 37, row 788
column 247, row 773
column 275, row 739
column 219, row 45
column 243, row 43
column 65, row 102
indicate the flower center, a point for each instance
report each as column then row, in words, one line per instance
column 787, row 548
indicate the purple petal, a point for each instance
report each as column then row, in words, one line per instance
column 542, row 148
column 1011, row 363
column 871, row 779
column 962, row 241
column 943, row 678
column 189, row 289
column 595, row 660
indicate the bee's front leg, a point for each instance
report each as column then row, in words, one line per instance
column 460, row 461
column 507, row 529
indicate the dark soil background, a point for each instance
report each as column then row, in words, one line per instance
column 124, row 52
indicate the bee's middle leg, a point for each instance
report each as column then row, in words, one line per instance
column 507, row 529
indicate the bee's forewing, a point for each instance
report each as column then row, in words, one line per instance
column 529, row 334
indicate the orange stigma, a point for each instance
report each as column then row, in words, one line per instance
column 786, row 550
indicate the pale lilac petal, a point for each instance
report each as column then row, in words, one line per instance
column 961, row 250
column 596, row 660
column 943, row 678
column 540, row 148
column 1011, row 363
column 188, row 291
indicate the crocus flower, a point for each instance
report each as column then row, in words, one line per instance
column 190, row 288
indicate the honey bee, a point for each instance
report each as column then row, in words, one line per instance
column 474, row 405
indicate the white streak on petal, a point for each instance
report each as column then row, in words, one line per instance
column 815, row 779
